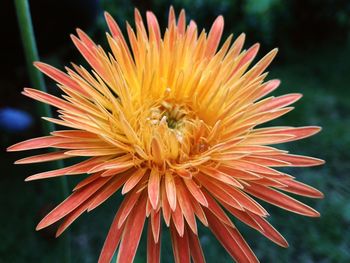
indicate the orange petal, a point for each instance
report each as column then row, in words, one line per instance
column 301, row 189
column 111, row 242
column 70, row 218
column 219, row 193
column 89, row 55
column 132, row 233
column 238, row 174
column 185, row 204
column 87, row 181
column 36, row 143
column 114, row 28
column 214, row 36
column 170, row 189
column 180, row 246
column 165, row 207
column 155, row 222
column 78, row 168
column 237, row 45
column 71, row 203
column 297, row 133
column 46, row 157
column 178, row 220
column 198, row 211
column 247, row 58
column 260, row 66
column 244, row 200
column 217, row 210
column 235, row 246
column 281, row 200
column 196, row 192
column 299, row 161
column 154, row 188
column 108, row 190
column 75, row 134
column 266, row 161
column 253, row 167
column 133, row 180
column 126, row 207
column 279, row 102
column 181, row 23
column 52, row 100
column 195, row 248
column 171, row 17
column 243, row 216
column 59, row 76
column 153, row 27
column 269, row 231
column 217, row 175
column 268, row 87
column 153, row 248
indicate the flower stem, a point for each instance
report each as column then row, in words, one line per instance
column 37, row 80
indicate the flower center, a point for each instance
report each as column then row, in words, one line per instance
column 176, row 116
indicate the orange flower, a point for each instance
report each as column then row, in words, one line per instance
column 171, row 120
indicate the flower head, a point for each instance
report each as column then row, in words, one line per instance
column 173, row 121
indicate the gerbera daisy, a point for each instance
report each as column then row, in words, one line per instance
column 173, row 121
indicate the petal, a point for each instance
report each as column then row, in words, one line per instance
column 153, row 248
column 230, row 239
column 36, row 143
column 71, row 203
column 111, row 242
column 195, row 248
column 59, row 76
column 70, row 218
column 107, row 191
column 214, row 36
column 217, row 210
column 126, row 207
column 186, row 206
column 155, row 223
column 133, row 180
column 132, row 232
column 281, row 200
column 196, row 192
column 46, row 157
column 180, row 246
column 153, row 27
column 178, row 220
column 154, row 188
column 170, row 190
column 269, row 231
column 299, row 188
column 299, row 161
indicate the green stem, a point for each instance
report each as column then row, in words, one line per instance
column 37, row 80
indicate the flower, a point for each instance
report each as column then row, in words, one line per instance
column 173, row 122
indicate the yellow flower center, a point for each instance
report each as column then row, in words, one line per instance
column 171, row 132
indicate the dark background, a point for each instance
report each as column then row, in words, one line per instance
column 314, row 59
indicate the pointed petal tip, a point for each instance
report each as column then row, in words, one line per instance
column 275, row 50
column 284, row 244
column 242, row 36
column 79, row 31
column 29, row 178
column 220, row 20
column 107, row 15
column 39, row 226
column 10, row 149
column 38, row 64
column 21, row 161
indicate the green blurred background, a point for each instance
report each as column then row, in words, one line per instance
column 314, row 59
